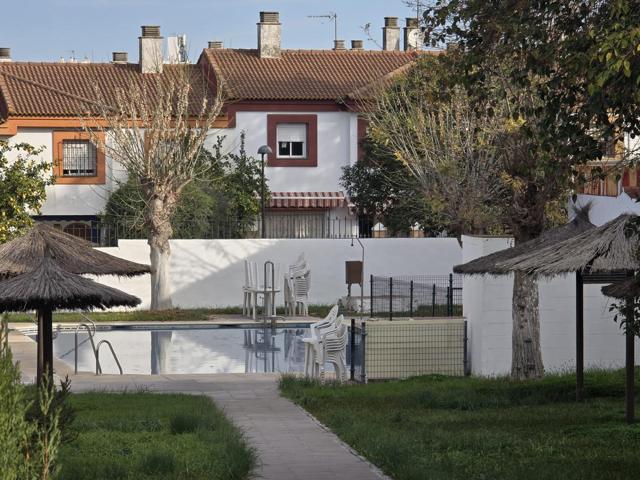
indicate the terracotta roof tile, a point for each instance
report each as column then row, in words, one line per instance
column 303, row 74
column 69, row 89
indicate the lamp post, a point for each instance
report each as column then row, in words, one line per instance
column 262, row 151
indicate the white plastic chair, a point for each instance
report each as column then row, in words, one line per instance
column 250, row 289
column 301, row 287
column 312, row 343
column 334, row 347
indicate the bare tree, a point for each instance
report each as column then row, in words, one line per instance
column 156, row 128
column 438, row 144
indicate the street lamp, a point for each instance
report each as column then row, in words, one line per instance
column 262, row 151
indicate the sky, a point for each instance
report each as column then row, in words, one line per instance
column 45, row 30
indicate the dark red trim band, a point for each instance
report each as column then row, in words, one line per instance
column 312, row 140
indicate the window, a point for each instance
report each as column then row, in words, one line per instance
column 79, row 158
column 292, row 140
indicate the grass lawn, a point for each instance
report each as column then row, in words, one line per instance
column 470, row 428
column 152, row 436
column 175, row 315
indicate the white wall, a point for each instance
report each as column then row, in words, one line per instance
column 604, row 209
column 337, row 147
column 69, row 199
column 207, row 273
column 487, row 306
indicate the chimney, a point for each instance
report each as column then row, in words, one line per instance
column 269, row 35
column 5, row 54
column 412, row 35
column 357, row 45
column 151, row 51
column 338, row 45
column 216, row 45
column 119, row 57
column 391, row 34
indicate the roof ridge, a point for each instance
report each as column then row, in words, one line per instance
column 4, row 91
column 50, row 88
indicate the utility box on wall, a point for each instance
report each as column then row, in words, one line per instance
column 353, row 273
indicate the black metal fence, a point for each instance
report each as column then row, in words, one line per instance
column 384, row 350
column 416, row 296
column 106, row 233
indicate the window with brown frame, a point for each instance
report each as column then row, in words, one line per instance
column 293, row 140
column 77, row 160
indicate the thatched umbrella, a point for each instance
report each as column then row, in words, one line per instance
column 603, row 253
column 73, row 254
column 491, row 264
column 49, row 288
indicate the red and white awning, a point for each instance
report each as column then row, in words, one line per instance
column 307, row 200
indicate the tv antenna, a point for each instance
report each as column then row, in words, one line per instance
column 331, row 17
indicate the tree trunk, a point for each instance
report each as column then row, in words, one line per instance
column 526, row 355
column 160, row 231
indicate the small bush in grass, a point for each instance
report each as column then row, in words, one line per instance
column 158, row 462
column 184, row 423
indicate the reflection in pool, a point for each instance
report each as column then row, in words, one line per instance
column 189, row 350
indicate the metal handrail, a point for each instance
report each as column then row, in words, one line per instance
column 115, row 357
column 93, row 345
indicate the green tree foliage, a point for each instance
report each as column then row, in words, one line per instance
column 23, row 178
column 30, row 430
column 381, row 190
column 225, row 202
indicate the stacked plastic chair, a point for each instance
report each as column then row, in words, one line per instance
column 297, row 284
column 327, row 344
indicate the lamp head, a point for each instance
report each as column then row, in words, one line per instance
column 265, row 150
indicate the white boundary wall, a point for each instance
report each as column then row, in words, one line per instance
column 487, row 306
column 210, row 273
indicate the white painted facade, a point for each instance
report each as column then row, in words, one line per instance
column 69, row 200
column 210, row 273
column 337, row 147
column 487, row 307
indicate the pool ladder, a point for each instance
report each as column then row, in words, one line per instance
column 91, row 330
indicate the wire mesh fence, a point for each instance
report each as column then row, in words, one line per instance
column 416, row 296
column 384, row 350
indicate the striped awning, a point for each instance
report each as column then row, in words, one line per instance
column 307, row 200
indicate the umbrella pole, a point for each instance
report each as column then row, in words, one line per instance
column 579, row 337
column 45, row 345
column 630, row 400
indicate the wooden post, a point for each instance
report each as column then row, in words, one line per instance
column 630, row 394
column 579, row 337
column 45, row 345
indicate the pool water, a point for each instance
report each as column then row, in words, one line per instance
column 176, row 350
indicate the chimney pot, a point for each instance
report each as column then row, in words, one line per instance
column 151, row 49
column 357, row 45
column 269, row 17
column 216, row 45
column 150, row 31
column 5, row 54
column 390, row 21
column 412, row 22
column 269, row 35
column 120, row 57
column 338, row 45
column 391, row 34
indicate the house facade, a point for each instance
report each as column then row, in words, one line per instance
column 303, row 104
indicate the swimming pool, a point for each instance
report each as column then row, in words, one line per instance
column 181, row 349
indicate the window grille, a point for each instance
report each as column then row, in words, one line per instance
column 79, row 158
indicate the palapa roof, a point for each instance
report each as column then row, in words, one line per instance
column 625, row 289
column 49, row 286
column 73, row 254
column 609, row 248
column 492, row 263
column 304, row 74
